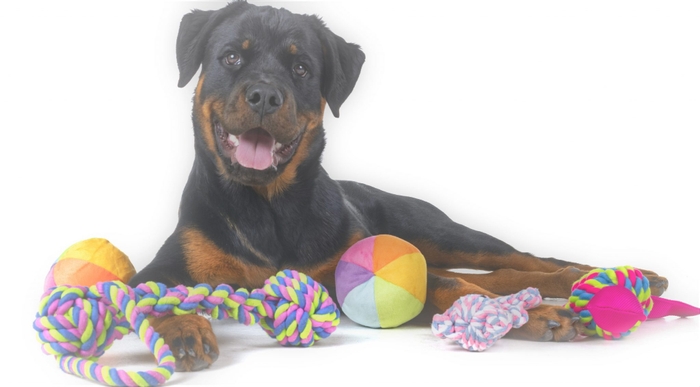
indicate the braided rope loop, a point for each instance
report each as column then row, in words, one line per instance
column 476, row 322
column 78, row 324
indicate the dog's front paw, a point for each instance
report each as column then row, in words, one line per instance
column 548, row 323
column 657, row 284
column 190, row 338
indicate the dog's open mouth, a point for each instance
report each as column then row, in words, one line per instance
column 255, row 149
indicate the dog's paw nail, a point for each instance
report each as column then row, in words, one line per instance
column 181, row 353
column 553, row 324
column 191, row 352
column 207, row 348
column 570, row 336
column 548, row 336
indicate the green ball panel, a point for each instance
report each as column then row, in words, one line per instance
column 394, row 305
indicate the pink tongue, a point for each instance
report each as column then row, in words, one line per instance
column 255, row 149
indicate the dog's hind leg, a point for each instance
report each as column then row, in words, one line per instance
column 509, row 281
column 510, row 270
column 450, row 245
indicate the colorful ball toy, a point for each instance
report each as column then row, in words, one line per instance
column 88, row 262
column 381, row 282
column 613, row 303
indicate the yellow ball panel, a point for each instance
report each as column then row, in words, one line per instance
column 102, row 254
column 408, row 272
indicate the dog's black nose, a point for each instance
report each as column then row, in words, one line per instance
column 264, row 98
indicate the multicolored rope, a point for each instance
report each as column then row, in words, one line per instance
column 476, row 322
column 618, row 298
column 78, row 324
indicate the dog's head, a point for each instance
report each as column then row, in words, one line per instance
column 266, row 77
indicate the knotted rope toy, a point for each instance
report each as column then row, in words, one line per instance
column 77, row 324
column 613, row 303
column 476, row 322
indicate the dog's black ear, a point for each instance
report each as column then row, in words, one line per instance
column 342, row 62
column 195, row 28
column 190, row 44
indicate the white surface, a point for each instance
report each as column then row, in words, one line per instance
column 566, row 129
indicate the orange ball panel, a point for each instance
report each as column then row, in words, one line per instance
column 388, row 247
column 71, row 271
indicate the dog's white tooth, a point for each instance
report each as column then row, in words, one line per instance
column 278, row 146
column 233, row 139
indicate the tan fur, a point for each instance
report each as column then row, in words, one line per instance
column 207, row 263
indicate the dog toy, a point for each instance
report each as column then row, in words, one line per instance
column 381, row 281
column 613, row 303
column 88, row 262
column 77, row 324
column 476, row 322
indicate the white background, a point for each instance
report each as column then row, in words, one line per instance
column 568, row 129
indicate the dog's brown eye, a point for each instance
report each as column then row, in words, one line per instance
column 232, row 59
column 300, row 70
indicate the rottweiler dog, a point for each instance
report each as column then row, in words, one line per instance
column 258, row 200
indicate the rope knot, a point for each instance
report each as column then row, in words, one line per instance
column 301, row 310
column 476, row 322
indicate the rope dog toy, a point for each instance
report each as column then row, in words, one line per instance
column 613, row 303
column 476, row 322
column 77, row 324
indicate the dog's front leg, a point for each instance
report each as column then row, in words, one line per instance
column 190, row 338
column 546, row 322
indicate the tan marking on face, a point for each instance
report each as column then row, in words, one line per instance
column 310, row 121
column 323, row 107
column 207, row 263
column 289, row 175
column 203, row 113
column 198, row 90
column 246, row 44
column 293, row 49
column 239, row 117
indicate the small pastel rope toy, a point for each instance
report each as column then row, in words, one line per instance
column 476, row 322
column 613, row 303
column 77, row 324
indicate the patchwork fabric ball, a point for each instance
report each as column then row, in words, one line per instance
column 89, row 262
column 381, row 282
